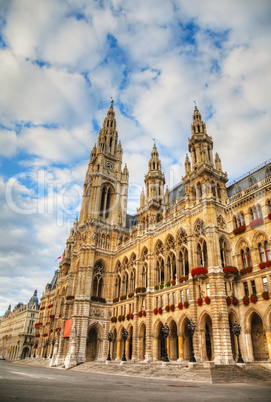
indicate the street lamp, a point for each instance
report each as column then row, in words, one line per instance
column 53, row 344
column 165, row 333
column 191, row 328
column 110, row 339
column 236, row 330
column 124, row 337
column 35, row 348
column 46, row 346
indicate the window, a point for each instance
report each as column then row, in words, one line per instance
column 157, row 305
column 245, row 288
column 162, row 302
column 267, row 250
column 223, row 251
column 187, row 295
column 181, row 296
column 246, row 258
column 253, row 287
column 265, row 284
column 173, row 297
column 168, row 296
column 262, row 253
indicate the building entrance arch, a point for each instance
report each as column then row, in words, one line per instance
column 92, row 348
column 25, row 353
column 259, row 344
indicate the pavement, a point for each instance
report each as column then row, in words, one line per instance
column 252, row 372
column 27, row 383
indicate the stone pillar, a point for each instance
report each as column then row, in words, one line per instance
column 155, row 347
column 168, row 346
column 268, row 340
column 181, row 353
column 118, row 349
column 127, row 344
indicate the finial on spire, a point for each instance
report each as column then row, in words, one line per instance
column 154, row 142
column 195, row 105
column 112, row 101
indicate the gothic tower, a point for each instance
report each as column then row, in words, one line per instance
column 106, row 185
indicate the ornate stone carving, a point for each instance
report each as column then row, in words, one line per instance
column 182, row 237
column 221, row 223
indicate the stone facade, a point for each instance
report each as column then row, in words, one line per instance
column 17, row 329
column 137, row 273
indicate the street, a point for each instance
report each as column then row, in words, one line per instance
column 26, row 383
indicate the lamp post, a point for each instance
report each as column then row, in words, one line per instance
column 110, row 339
column 46, row 347
column 35, row 348
column 53, row 344
column 31, row 345
column 165, row 333
column 124, row 337
column 191, row 328
column 236, row 330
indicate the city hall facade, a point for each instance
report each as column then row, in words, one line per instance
column 200, row 251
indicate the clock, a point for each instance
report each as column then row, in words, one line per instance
column 109, row 165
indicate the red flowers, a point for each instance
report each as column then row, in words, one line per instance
column 60, row 315
column 230, row 270
column 139, row 314
column 52, row 316
column 44, row 335
column 265, row 295
column 253, row 298
column 130, row 295
column 50, row 306
column 131, row 316
column 246, row 300
column 160, row 310
column 207, row 300
column 247, row 270
column 42, row 308
column 183, row 279
column 115, row 300
column 113, row 319
column 123, row 297
column 256, row 222
column 263, row 265
column 173, row 282
column 234, row 301
column 144, row 313
column 228, row 300
column 37, row 335
column 269, row 216
column 167, row 308
column 199, row 271
column 172, row 308
column 38, row 324
column 239, row 230
column 180, row 306
column 199, row 301
column 186, row 304
column 155, row 311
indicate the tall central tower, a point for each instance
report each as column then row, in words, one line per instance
column 106, row 185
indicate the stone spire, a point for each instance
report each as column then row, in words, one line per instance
column 155, row 179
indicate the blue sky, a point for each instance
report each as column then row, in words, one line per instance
column 60, row 64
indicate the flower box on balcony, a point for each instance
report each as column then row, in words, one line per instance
column 265, row 295
column 37, row 335
column 253, row 298
column 144, row 313
column 199, row 301
column 140, row 290
column 269, row 216
column 234, row 301
column 60, row 315
column 139, row 314
column 246, row 300
column 199, row 271
column 160, row 311
column 239, row 230
column 186, row 304
column 173, row 282
column 256, row 222
column 161, row 286
column 115, row 300
column 52, row 316
column 98, row 299
column 69, row 297
column 266, row 264
column 114, row 319
column 168, row 284
column 44, row 335
column 180, row 306
column 38, row 324
column 42, row 308
column 183, row 279
column 247, row 270
column 207, row 300
column 167, row 308
column 172, row 308
column 156, row 287
column 228, row 300
column 155, row 311
column 128, row 317
column 131, row 316
column 50, row 306
column 123, row 297
column 230, row 270
column 130, row 295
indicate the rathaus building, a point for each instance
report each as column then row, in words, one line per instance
column 200, row 251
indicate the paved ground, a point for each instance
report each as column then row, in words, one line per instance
column 28, row 383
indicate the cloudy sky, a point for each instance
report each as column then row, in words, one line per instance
column 60, row 63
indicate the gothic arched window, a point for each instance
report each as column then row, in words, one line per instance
column 98, row 274
column 223, row 252
column 202, row 253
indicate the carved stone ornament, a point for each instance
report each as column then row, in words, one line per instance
column 182, row 237
column 170, row 243
column 199, row 228
column 221, row 223
column 96, row 312
column 159, row 248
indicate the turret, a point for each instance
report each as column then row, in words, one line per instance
column 155, row 179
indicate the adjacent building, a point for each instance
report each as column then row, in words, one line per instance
column 17, row 329
column 200, row 251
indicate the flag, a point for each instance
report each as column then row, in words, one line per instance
column 59, row 258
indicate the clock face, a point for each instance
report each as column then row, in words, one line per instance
column 109, row 165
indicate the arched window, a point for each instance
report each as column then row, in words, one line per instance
column 132, row 282
column 118, row 282
column 202, row 253
column 218, row 191
column 251, row 214
column 160, row 269
column 223, row 252
column 235, row 222
column 246, row 258
column 264, row 251
column 110, row 144
column 242, row 218
column 259, row 209
column 213, row 188
column 184, row 264
column 105, row 202
column 98, row 274
column 145, row 276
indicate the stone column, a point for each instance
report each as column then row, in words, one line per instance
column 168, row 346
column 118, row 349
column 180, row 343
column 155, row 347
column 268, row 340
